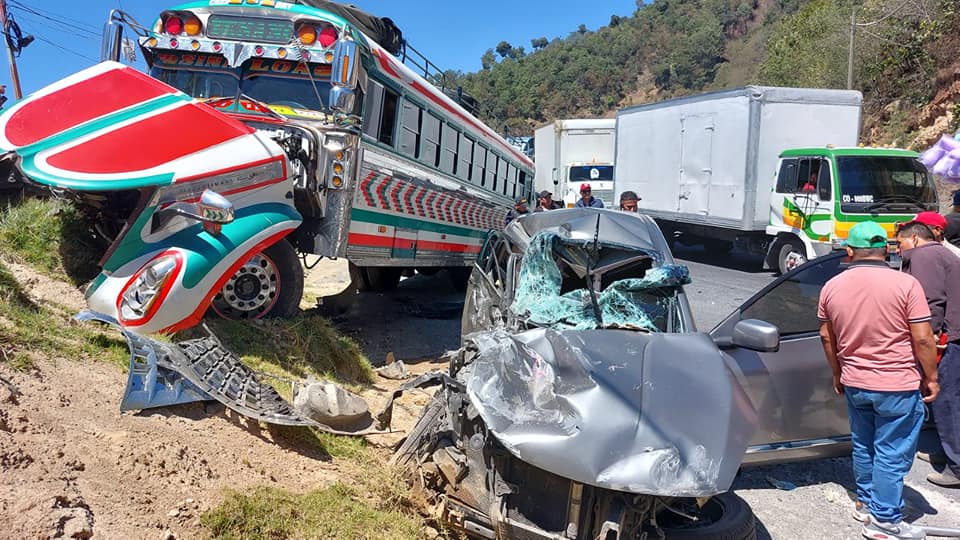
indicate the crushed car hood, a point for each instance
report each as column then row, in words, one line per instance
column 657, row 414
column 110, row 127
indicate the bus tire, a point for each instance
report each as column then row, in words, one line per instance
column 358, row 276
column 382, row 278
column 270, row 284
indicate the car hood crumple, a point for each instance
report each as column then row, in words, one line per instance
column 656, row 414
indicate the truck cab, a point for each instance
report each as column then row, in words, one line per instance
column 820, row 193
column 598, row 175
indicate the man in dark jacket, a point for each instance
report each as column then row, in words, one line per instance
column 938, row 271
column 546, row 202
column 952, row 232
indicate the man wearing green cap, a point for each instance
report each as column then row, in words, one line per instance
column 875, row 327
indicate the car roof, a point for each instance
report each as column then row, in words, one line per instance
column 627, row 229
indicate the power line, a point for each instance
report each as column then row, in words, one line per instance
column 57, row 29
column 64, row 49
column 73, row 25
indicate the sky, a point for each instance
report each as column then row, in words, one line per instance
column 452, row 34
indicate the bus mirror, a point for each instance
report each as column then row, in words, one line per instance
column 341, row 99
column 344, row 69
column 112, row 37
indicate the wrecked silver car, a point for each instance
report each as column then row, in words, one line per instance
column 584, row 403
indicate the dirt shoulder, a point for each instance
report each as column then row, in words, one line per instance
column 71, row 465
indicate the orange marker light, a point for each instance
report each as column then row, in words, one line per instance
column 307, row 34
column 192, row 26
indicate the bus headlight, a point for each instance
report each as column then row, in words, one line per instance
column 145, row 292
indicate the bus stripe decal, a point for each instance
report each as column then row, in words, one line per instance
column 372, row 240
column 380, row 189
column 365, row 188
column 379, row 218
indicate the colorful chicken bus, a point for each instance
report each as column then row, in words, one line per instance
column 349, row 153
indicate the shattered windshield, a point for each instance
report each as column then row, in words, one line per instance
column 586, row 285
column 283, row 84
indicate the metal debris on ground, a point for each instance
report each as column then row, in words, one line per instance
column 163, row 374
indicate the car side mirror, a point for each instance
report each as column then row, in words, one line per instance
column 754, row 335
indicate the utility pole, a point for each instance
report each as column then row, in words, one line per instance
column 853, row 25
column 13, row 61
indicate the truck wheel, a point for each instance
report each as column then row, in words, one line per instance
column 270, row 284
column 792, row 254
column 724, row 517
column 358, row 276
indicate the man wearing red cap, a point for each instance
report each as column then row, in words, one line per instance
column 587, row 200
column 938, row 272
column 937, row 224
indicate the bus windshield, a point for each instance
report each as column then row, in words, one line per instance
column 869, row 183
column 279, row 83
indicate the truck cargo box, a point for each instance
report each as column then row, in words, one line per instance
column 711, row 159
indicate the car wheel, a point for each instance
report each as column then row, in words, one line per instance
column 270, row 284
column 723, row 517
column 423, row 434
column 791, row 255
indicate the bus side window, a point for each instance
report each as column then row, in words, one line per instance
column 465, row 158
column 479, row 159
column 502, row 176
column 490, row 176
column 787, row 177
column 388, row 120
column 522, row 180
column 430, row 140
column 373, row 110
column 410, row 129
column 512, row 181
column 447, row 160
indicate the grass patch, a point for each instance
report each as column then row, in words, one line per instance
column 50, row 235
column 335, row 512
column 294, row 349
column 28, row 329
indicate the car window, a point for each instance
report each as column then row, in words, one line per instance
column 790, row 303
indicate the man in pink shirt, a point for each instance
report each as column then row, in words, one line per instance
column 875, row 327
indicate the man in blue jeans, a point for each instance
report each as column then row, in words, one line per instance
column 875, row 327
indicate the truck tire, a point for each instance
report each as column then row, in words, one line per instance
column 724, row 517
column 792, row 254
column 270, row 284
column 358, row 276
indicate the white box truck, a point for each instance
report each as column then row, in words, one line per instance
column 776, row 170
column 705, row 165
column 573, row 152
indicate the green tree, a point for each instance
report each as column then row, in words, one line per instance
column 503, row 49
column 488, row 60
column 539, row 43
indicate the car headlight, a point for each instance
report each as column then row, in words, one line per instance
column 147, row 288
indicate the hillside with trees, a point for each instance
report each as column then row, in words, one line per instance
column 904, row 61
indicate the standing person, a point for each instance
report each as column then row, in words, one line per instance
column 875, row 326
column 546, row 202
column 519, row 209
column 587, row 200
column 938, row 272
column 937, row 224
column 628, row 201
column 952, row 232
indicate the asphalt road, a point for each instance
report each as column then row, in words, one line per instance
column 421, row 320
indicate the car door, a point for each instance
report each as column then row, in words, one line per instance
column 799, row 415
column 484, row 307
